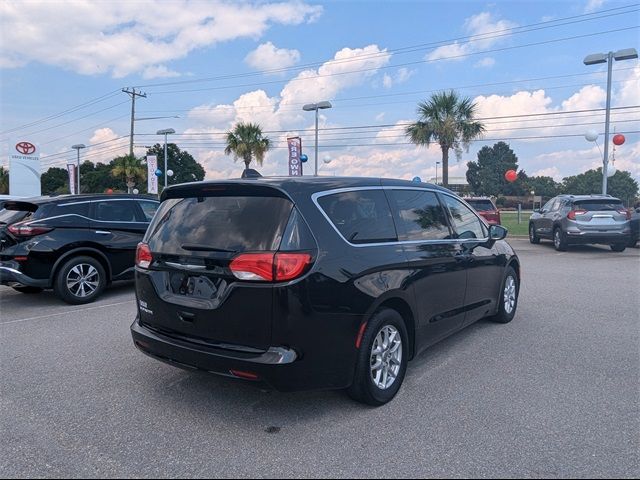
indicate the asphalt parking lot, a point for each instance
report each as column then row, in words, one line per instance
column 556, row 393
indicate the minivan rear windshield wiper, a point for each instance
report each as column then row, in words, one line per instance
column 205, row 248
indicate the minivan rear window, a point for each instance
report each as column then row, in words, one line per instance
column 195, row 226
column 598, row 205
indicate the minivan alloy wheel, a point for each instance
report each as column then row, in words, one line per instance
column 386, row 357
column 83, row 280
column 509, row 294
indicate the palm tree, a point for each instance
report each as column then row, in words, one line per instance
column 130, row 168
column 4, row 181
column 246, row 142
column 447, row 119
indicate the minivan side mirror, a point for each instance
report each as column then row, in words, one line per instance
column 497, row 232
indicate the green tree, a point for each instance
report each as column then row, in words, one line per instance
column 184, row 166
column 55, row 181
column 130, row 169
column 545, row 186
column 246, row 142
column 486, row 176
column 97, row 178
column 4, row 181
column 446, row 119
column 621, row 185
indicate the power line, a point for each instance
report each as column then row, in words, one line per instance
column 412, row 48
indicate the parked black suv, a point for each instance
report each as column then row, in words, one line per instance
column 316, row 283
column 75, row 244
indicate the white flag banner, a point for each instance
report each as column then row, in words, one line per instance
column 73, row 183
column 152, row 180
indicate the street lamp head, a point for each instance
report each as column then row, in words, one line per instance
column 595, row 58
column 626, row 54
column 323, row 105
column 166, row 131
column 310, row 107
column 78, row 146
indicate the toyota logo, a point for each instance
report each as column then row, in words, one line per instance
column 25, row 148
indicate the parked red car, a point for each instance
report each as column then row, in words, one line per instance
column 486, row 208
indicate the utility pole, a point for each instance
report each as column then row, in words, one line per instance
column 132, row 92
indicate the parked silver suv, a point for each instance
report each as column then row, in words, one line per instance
column 582, row 219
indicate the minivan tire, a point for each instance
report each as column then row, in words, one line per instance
column 88, row 266
column 618, row 247
column 559, row 240
column 505, row 315
column 364, row 389
column 533, row 236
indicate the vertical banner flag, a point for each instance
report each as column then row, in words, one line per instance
column 295, row 150
column 152, row 179
column 24, row 165
column 73, row 182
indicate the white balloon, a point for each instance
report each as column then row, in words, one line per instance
column 611, row 170
column 591, row 136
column 169, row 173
column 136, row 191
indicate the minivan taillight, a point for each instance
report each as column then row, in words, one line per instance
column 269, row 266
column 143, row 255
column 28, row 230
column 572, row 214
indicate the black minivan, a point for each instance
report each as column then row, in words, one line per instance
column 316, row 283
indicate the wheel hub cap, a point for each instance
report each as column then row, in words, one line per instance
column 83, row 280
column 509, row 294
column 386, row 357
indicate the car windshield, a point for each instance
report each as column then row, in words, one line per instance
column 598, row 205
column 481, row 205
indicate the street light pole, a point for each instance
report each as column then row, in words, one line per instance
column 308, row 108
column 77, row 149
column 437, row 163
column 597, row 58
column 165, row 132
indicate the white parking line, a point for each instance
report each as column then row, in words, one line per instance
column 67, row 312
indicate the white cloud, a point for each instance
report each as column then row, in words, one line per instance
column 158, row 71
column 122, row 38
column 553, row 172
column 629, row 91
column 268, row 57
column 482, row 26
column 486, row 62
column 402, row 75
column 106, row 146
column 588, row 97
column 593, row 5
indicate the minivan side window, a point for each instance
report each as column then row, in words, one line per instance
column 115, row 211
column 79, row 208
column 418, row 215
column 361, row 216
column 466, row 223
column 148, row 208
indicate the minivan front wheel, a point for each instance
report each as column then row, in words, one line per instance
column 559, row 240
column 80, row 280
column 382, row 359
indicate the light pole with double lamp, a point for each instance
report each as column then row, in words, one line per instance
column 309, row 108
column 77, row 148
column 165, row 132
column 595, row 59
column 437, row 163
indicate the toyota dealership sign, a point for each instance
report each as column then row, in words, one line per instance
column 24, row 169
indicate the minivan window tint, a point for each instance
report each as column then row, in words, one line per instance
column 482, row 205
column 361, row 216
column 418, row 215
column 598, row 205
column 218, row 224
column 81, row 209
column 466, row 223
column 115, row 211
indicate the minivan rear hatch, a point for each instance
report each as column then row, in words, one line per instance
column 189, row 290
column 600, row 215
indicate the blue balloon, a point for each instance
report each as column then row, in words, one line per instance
column 303, row 158
column 158, row 173
column 417, row 179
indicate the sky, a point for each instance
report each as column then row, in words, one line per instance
column 206, row 65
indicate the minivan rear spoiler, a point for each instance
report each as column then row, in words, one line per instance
column 228, row 188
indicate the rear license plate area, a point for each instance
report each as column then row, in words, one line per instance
column 194, row 286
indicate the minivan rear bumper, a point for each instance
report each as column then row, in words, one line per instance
column 605, row 238
column 279, row 367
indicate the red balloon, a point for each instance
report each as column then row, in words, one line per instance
column 109, row 191
column 618, row 139
column 511, row 175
